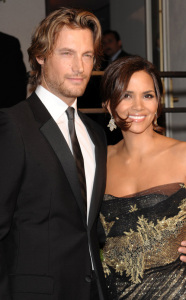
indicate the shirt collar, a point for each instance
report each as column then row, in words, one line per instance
column 116, row 55
column 53, row 104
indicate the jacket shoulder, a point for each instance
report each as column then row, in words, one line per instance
column 19, row 113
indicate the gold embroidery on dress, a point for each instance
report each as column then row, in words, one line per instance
column 151, row 246
column 133, row 208
column 182, row 185
column 106, row 225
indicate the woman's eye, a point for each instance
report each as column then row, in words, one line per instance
column 149, row 96
column 127, row 96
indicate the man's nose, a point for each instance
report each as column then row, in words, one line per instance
column 77, row 65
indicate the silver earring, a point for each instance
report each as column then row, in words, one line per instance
column 155, row 120
column 112, row 124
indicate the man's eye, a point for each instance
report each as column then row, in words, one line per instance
column 66, row 53
column 91, row 56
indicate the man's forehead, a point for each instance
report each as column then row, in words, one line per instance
column 66, row 34
column 109, row 37
column 73, row 39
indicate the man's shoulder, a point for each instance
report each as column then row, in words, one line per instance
column 15, row 108
column 123, row 54
column 19, row 110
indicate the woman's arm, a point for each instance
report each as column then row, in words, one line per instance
column 182, row 250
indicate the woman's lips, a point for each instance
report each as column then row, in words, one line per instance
column 136, row 118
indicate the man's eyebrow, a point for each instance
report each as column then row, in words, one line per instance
column 72, row 50
column 89, row 51
column 92, row 51
column 65, row 49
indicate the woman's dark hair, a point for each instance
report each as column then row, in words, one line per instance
column 115, row 82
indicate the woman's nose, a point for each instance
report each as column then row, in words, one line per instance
column 137, row 103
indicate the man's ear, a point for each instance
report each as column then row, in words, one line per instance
column 40, row 60
column 120, row 43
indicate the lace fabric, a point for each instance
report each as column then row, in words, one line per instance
column 142, row 234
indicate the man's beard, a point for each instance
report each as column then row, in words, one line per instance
column 62, row 89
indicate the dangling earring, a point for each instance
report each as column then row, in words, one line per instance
column 155, row 120
column 112, row 124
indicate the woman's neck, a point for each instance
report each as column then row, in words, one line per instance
column 138, row 144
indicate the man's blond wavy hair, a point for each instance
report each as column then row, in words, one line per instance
column 45, row 36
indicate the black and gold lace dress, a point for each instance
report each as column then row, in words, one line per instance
column 142, row 234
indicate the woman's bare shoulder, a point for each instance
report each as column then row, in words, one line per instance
column 113, row 150
column 172, row 144
column 175, row 148
column 177, row 145
column 180, row 149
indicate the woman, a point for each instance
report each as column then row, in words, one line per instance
column 144, row 208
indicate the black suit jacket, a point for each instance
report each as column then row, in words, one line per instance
column 13, row 76
column 44, row 237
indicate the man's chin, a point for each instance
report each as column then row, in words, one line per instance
column 72, row 91
column 77, row 93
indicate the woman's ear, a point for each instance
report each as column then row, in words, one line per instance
column 108, row 107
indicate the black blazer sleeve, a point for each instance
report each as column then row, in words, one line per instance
column 11, row 171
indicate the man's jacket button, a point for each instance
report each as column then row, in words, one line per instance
column 88, row 278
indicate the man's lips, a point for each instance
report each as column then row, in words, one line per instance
column 76, row 79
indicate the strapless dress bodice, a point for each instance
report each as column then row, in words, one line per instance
column 142, row 234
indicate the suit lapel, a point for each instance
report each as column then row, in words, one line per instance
column 99, row 179
column 53, row 134
column 98, row 187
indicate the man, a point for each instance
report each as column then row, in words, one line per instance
column 49, row 247
column 13, row 76
column 112, row 47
